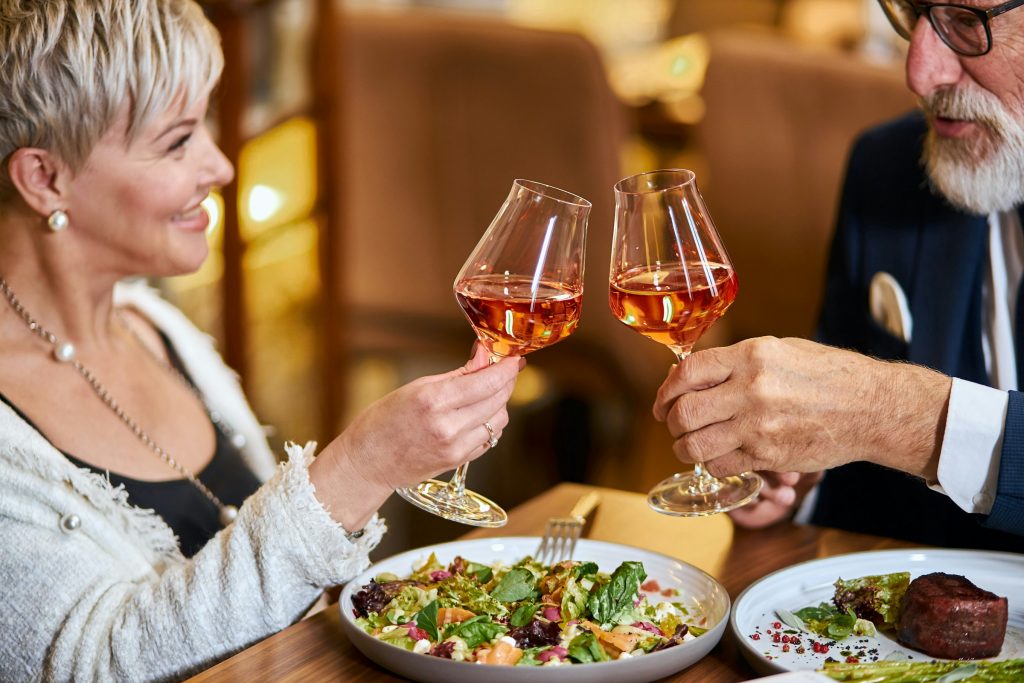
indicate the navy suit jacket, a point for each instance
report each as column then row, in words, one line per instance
column 890, row 220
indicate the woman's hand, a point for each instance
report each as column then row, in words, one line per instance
column 779, row 499
column 429, row 426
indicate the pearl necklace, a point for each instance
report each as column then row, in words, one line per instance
column 64, row 352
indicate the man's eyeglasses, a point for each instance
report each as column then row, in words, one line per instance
column 964, row 29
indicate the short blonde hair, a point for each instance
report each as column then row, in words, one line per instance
column 68, row 66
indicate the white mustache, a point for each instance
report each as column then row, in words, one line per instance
column 983, row 172
column 967, row 105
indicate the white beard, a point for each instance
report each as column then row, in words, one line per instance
column 983, row 174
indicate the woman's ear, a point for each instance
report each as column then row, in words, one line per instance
column 39, row 178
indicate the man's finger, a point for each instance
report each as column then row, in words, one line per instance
column 699, row 371
column 707, row 444
column 694, row 411
column 733, row 462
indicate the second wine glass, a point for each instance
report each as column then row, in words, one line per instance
column 670, row 279
column 521, row 289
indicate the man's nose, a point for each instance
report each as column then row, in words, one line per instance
column 931, row 64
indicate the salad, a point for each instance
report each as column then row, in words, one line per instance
column 859, row 605
column 526, row 614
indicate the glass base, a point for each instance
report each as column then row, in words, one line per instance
column 439, row 498
column 686, row 495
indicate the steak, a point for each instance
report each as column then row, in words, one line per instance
column 947, row 616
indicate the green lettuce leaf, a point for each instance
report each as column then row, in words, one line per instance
column 585, row 648
column 529, row 657
column 462, row 591
column 584, row 569
column 481, row 572
column 478, row 630
column 574, row 600
column 517, row 584
column 523, row 614
column 875, row 598
column 426, row 619
column 615, row 598
column 826, row 620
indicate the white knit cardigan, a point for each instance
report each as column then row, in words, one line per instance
column 114, row 599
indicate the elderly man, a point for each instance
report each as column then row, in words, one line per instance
column 926, row 266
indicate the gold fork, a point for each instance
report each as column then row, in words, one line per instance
column 562, row 533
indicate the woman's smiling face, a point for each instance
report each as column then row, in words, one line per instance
column 135, row 206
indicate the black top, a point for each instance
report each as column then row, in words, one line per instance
column 190, row 514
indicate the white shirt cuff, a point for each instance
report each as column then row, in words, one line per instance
column 971, row 445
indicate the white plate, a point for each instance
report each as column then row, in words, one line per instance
column 812, row 582
column 694, row 586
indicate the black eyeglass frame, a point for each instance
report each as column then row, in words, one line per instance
column 926, row 8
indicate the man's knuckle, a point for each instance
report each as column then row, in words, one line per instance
column 761, row 387
column 686, row 415
column 763, row 349
column 696, row 445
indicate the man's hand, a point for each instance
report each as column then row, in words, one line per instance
column 794, row 405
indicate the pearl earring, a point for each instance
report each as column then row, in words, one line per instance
column 58, row 220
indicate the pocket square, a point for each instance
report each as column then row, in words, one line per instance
column 889, row 308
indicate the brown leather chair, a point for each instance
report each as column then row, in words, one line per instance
column 689, row 16
column 779, row 124
column 440, row 115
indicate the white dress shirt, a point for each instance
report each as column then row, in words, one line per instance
column 973, row 440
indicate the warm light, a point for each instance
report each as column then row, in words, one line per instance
column 368, row 380
column 277, row 178
column 531, row 384
column 213, row 206
column 282, row 271
column 264, row 202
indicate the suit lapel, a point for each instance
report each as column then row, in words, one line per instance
column 946, row 301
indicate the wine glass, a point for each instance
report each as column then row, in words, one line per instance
column 670, row 280
column 521, row 289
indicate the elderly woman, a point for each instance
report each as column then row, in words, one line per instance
column 138, row 540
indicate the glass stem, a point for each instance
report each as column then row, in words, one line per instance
column 457, row 484
column 704, row 482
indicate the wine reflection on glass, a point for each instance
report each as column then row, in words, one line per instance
column 521, row 289
column 670, row 279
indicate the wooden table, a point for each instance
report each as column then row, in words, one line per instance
column 315, row 649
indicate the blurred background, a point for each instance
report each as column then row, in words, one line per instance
column 375, row 139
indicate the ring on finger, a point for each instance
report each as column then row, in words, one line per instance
column 492, row 440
